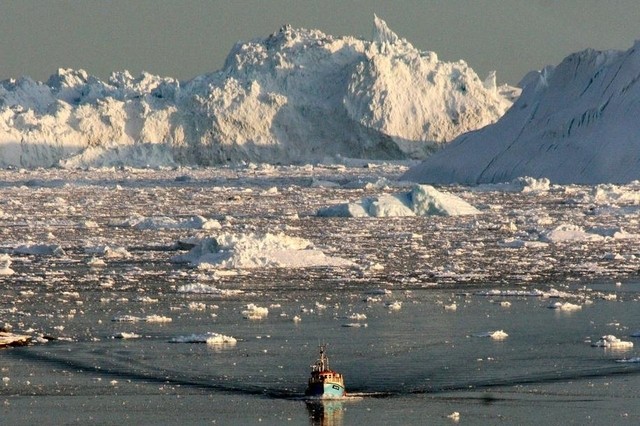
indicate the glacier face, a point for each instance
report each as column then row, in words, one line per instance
column 296, row 96
column 574, row 123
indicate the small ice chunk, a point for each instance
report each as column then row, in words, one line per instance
column 394, row 306
column 612, row 342
column 451, row 307
column 567, row 306
column 455, row 416
column 254, row 312
column 126, row 335
column 495, row 335
column 5, row 263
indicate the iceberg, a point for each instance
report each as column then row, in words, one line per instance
column 422, row 200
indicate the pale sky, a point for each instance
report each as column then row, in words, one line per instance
column 185, row 38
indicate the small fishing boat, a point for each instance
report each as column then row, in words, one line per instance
column 324, row 382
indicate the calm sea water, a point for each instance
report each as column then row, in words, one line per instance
column 418, row 364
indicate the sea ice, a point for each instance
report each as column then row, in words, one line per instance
column 199, row 288
column 39, row 250
column 495, row 335
column 5, row 263
column 567, row 306
column 210, row 338
column 254, row 312
column 422, row 200
column 257, row 251
column 612, row 342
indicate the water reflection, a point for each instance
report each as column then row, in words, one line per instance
column 325, row 413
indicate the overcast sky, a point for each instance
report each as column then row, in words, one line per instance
column 186, row 38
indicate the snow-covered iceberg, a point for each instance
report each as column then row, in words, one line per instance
column 296, row 96
column 422, row 200
column 574, row 123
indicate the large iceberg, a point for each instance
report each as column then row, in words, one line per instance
column 296, row 96
column 575, row 123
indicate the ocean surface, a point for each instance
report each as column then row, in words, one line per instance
column 410, row 325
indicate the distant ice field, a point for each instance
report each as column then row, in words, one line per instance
column 192, row 294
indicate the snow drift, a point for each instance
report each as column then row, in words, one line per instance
column 575, row 123
column 296, row 96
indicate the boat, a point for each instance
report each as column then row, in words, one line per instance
column 324, row 382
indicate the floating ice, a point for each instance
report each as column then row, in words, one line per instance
column 422, row 200
column 11, row 339
column 257, row 251
column 254, row 312
column 127, row 335
column 567, row 307
column 629, row 360
column 297, row 95
column 39, row 250
column 495, row 335
column 210, row 338
column 199, row 288
column 5, row 263
column 109, row 252
column 148, row 318
column 450, row 307
column 569, row 233
column 394, row 306
column 194, row 222
column 612, row 342
column 358, row 317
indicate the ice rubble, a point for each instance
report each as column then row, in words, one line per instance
column 257, row 251
column 295, row 96
column 199, row 288
column 422, row 200
column 163, row 222
column 574, row 123
column 148, row 318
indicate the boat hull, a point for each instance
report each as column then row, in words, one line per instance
column 325, row 390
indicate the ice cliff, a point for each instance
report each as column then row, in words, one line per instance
column 295, row 96
column 575, row 123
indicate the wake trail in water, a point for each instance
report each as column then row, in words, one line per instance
column 222, row 383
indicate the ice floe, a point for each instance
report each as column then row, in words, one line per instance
column 11, row 339
column 163, row 222
column 612, row 342
column 126, row 335
column 5, row 265
column 495, row 335
column 566, row 307
column 254, row 312
column 422, row 200
column 210, row 338
column 148, row 318
column 39, row 250
column 199, row 288
column 257, row 251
